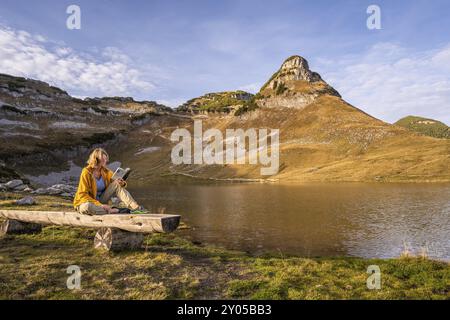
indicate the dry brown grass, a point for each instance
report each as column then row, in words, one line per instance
column 328, row 140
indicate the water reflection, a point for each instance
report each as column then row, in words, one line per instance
column 367, row 220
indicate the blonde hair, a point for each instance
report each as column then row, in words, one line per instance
column 96, row 156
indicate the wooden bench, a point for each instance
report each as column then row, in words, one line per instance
column 115, row 231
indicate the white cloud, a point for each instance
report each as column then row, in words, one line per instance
column 389, row 81
column 173, row 103
column 23, row 54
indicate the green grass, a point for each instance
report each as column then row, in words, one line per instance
column 249, row 105
column 270, row 80
column 217, row 102
column 429, row 127
column 280, row 89
column 343, row 278
column 169, row 266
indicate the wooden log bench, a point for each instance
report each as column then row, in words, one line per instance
column 115, row 231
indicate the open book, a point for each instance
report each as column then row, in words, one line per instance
column 121, row 173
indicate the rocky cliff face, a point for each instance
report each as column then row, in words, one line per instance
column 34, row 89
column 294, row 85
column 37, row 119
column 294, row 68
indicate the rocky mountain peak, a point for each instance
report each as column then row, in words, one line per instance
column 294, row 85
column 297, row 68
column 294, row 69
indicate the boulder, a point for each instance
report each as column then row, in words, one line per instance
column 64, row 187
column 27, row 201
column 13, row 184
column 21, row 187
column 53, row 191
column 63, row 190
column 40, row 191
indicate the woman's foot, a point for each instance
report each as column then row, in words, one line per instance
column 122, row 210
column 109, row 210
column 139, row 209
column 136, row 207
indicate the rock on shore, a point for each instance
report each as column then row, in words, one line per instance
column 17, row 185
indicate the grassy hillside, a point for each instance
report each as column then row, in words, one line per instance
column 328, row 140
column 429, row 127
column 221, row 102
column 172, row 267
column 322, row 138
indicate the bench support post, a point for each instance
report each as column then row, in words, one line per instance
column 11, row 226
column 112, row 239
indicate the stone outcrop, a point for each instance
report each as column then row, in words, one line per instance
column 294, row 85
column 39, row 122
column 18, row 185
column 26, row 201
column 294, row 68
column 216, row 102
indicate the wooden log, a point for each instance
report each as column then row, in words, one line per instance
column 17, row 227
column 112, row 239
column 142, row 223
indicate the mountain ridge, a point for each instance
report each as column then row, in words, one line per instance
column 40, row 123
column 322, row 137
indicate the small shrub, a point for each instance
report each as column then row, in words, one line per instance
column 281, row 88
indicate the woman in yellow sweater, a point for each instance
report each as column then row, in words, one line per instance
column 96, row 188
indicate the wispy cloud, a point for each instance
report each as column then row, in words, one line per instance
column 390, row 81
column 173, row 103
column 111, row 73
column 252, row 87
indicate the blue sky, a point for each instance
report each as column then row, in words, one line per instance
column 171, row 51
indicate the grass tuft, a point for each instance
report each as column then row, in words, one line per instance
column 169, row 266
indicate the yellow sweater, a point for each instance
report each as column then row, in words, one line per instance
column 87, row 188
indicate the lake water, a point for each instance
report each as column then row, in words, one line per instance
column 327, row 219
column 332, row 219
